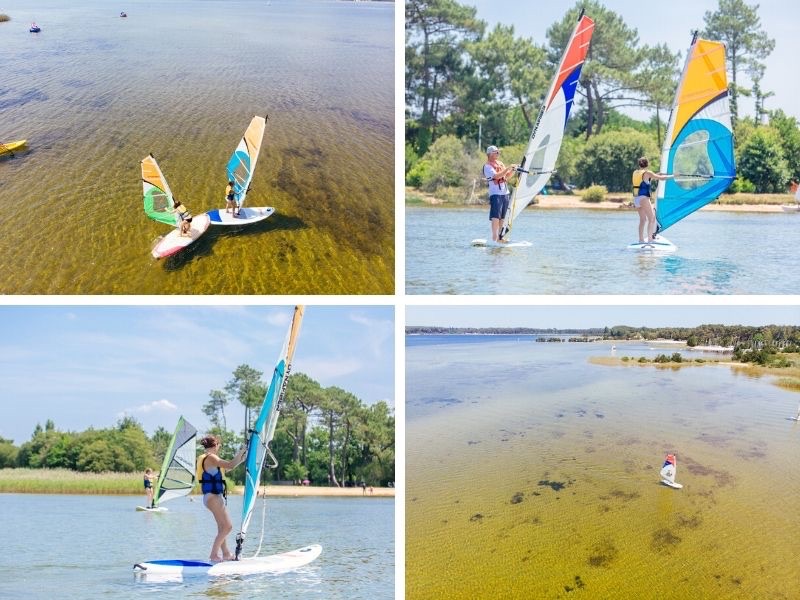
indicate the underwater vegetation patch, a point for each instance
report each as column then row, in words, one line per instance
column 624, row 496
column 578, row 584
column 603, row 554
column 555, row 485
column 663, row 540
column 443, row 401
column 476, row 517
column 517, row 498
column 722, row 478
column 691, row 522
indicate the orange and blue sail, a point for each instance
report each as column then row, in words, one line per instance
column 698, row 147
column 242, row 164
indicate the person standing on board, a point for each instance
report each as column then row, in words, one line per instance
column 148, row 487
column 229, row 194
column 497, row 174
column 641, row 180
column 215, row 493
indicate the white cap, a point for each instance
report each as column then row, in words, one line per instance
column 491, row 149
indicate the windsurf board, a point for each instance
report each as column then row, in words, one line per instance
column 247, row 215
column 174, row 242
column 275, row 563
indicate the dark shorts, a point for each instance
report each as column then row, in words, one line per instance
column 498, row 205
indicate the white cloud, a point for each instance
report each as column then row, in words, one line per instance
column 146, row 408
column 325, row 370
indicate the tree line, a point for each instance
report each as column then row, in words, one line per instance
column 783, row 337
column 326, row 435
column 467, row 86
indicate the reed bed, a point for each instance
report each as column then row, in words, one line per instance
column 4, row 18
column 64, row 481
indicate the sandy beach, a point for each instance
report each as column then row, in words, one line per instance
column 307, row 490
column 576, row 202
column 621, row 202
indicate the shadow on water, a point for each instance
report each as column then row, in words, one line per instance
column 205, row 245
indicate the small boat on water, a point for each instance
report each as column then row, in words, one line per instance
column 122, row 14
column 9, row 147
column 35, row 28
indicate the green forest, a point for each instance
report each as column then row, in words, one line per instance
column 468, row 86
column 780, row 337
column 326, row 435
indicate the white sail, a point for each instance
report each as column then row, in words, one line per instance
column 539, row 161
column 669, row 470
column 178, row 471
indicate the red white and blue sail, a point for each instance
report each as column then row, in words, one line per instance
column 698, row 147
column 544, row 144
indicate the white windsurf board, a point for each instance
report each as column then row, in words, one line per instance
column 174, row 242
column 247, row 215
column 157, row 509
column 275, row 563
column 660, row 244
column 484, row 243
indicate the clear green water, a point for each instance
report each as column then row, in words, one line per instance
column 94, row 94
column 495, row 429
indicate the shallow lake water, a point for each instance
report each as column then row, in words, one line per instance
column 85, row 547
column 582, row 251
column 535, row 474
column 94, row 93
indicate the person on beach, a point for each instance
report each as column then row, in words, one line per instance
column 496, row 175
column 148, row 486
column 212, row 483
column 184, row 217
column 642, row 181
column 229, row 198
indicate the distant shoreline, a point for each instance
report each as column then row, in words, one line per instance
column 546, row 202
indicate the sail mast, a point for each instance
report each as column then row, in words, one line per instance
column 261, row 432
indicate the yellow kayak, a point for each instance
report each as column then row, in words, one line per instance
column 11, row 146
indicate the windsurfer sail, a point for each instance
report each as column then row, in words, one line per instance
column 668, row 472
column 158, row 202
column 698, row 146
column 539, row 161
column 242, row 163
column 263, row 429
column 177, row 474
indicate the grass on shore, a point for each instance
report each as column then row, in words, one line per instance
column 64, row 481
column 787, row 378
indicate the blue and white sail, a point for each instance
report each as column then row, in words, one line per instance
column 242, row 163
column 263, row 429
column 698, row 146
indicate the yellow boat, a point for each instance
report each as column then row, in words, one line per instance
column 11, row 146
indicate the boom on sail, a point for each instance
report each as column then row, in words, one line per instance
column 698, row 146
column 539, row 161
column 263, row 429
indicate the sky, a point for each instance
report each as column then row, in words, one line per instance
column 584, row 317
column 671, row 22
column 87, row 366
